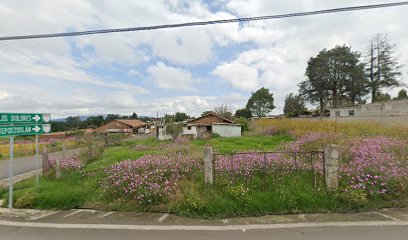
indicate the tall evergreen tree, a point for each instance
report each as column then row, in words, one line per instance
column 294, row 105
column 382, row 68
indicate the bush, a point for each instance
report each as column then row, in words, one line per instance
column 94, row 148
column 216, row 135
column 243, row 122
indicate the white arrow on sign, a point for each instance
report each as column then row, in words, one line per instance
column 36, row 129
column 37, row 118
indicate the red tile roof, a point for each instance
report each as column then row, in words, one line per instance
column 132, row 122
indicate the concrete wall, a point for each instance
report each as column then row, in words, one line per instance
column 396, row 108
column 225, row 130
column 345, row 112
column 161, row 134
column 192, row 131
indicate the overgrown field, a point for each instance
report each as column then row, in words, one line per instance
column 24, row 146
column 146, row 175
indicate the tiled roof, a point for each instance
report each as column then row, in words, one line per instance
column 132, row 122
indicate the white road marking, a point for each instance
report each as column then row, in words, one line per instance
column 105, row 215
column 161, row 219
column 73, row 213
column 386, row 216
column 203, row 228
column 42, row 215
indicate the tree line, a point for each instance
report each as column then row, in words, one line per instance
column 74, row 122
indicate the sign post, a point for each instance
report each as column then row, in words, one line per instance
column 10, row 201
column 37, row 163
column 22, row 124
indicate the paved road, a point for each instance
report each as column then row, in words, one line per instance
column 315, row 233
column 25, row 164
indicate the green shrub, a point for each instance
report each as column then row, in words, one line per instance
column 356, row 197
column 244, row 123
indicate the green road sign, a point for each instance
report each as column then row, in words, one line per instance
column 20, row 130
column 17, row 118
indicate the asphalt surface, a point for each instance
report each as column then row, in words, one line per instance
column 307, row 233
column 26, row 164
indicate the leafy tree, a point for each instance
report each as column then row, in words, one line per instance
column 168, row 118
column 382, row 97
column 244, row 112
column 94, row 122
column 261, row 102
column 223, row 111
column 133, row 116
column 59, row 126
column 334, row 77
column 243, row 122
column 180, row 116
column 174, row 129
column 206, row 113
column 382, row 69
column 72, row 122
column 294, row 105
column 314, row 87
column 111, row 117
column 402, row 94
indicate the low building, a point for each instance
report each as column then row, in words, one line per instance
column 206, row 126
column 393, row 108
column 121, row 126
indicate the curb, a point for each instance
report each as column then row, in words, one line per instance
column 202, row 228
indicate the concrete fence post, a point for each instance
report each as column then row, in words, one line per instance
column 331, row 166
column 45, row 162
column 208, row 165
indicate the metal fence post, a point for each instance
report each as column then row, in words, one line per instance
column 208, row 165
column 331, row 166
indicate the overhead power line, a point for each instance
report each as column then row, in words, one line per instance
column 202, row 23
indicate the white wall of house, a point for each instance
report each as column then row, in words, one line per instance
column 190, row 130
column 227, row 130
column 345, row 112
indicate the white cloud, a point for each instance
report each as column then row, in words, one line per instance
column 238, row 75
column 270, row 53
column 168, row 77
column 4, row 95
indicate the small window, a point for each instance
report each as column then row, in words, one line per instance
column 351, row 113
column 188, row 127
column 337, row 113
column 209, row 128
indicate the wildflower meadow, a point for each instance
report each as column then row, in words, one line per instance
column 277, row 167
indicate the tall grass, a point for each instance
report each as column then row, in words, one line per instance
column 301, row 126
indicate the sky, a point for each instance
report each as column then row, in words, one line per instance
column 165, row 71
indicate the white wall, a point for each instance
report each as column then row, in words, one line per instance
column 162, row 136
column 395, row 108
column 193, row 131
column 345, row 112
column 227, row 130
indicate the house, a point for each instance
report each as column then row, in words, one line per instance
column 393, row 108
column 121, row 126
column 206, row 126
